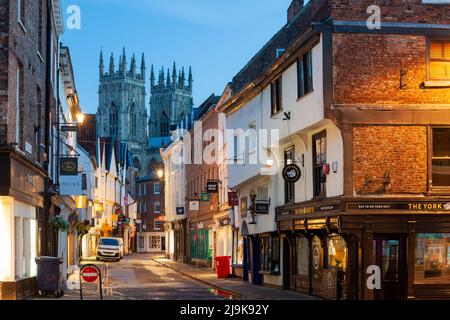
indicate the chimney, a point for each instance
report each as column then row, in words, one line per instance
column 294, row 8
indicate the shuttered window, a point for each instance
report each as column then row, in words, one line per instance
column 439, row 60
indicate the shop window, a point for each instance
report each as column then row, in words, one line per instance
column 156, row 242
column 302, row 247
column 337, row 252
column 239, row 245
column 432, row 258
column 319, row 159
column 199, row 244
column 270, row 254
column 439, row 60
column 441, row 157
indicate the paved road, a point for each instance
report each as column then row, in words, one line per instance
column 138, row 277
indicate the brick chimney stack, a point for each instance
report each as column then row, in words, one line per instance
column 296, row 6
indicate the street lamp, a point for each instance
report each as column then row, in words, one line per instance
column 80, row 118
column 160, row 174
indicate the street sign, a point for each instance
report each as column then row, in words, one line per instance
column 89, row 274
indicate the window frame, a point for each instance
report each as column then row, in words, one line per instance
column 154, row 224
column 318, row 136
column 276, row 96
column 270, row 253
column 159, row 188
column 154, row 207
column 428, row 44
column 305, row 83
column 434, row 190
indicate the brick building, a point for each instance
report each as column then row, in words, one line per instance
column 363, row 115
column 28, row 84
column 151, row 213
column 200, row 174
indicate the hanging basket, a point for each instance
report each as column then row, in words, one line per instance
column 59, row 223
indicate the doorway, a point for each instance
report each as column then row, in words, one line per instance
column 287, row 264
column 389, row 253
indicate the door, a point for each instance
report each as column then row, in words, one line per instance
column 390, row 256
column 255, row 260
column 287, row 264
column 163, row 244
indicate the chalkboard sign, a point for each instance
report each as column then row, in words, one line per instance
column 329, row 284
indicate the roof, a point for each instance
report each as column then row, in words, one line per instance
column 207, row 105
column 87, row 133
column 267, row 54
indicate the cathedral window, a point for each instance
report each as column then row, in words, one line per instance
column 133, row 121
column 164, row 125
column 114, row 120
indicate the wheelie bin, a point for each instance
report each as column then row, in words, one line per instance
column 49, row 276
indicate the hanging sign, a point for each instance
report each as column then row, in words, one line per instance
column 233, row 199
column 262, row 207
column 212, row 187
column 68, row 166
column 194, row 206
column 205, row 197
column 292, row 173
column 180, row 210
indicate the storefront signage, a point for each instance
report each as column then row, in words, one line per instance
column 205, row 197
column 406, row 206
column 212, row 187
column 68, row 166
column 262, row 207
column 70, row 185
column 180, row 210
column 194, row 206
column 313, row 209
column 292, row 173
column 233, row 199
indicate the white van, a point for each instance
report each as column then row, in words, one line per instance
column 110, row 249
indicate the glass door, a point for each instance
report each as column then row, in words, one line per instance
column 390, row 256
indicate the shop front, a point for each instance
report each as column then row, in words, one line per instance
column 222, row 236
column 201, row 243
column 347, row 249
column 21, row 223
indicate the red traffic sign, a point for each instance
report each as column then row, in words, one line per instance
column 89, row 274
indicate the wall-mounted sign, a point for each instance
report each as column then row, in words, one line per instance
column 262, row 207
column 406, row 206
column 180, row 210
column 244, row 207
column 233, row 199
column 70, row 185
column 68, row 166
column 205, row 197
column 212, row 187
column 313, row 209
column 194, row 205
column 69, row 128
column 84, row 181
column 292, row 173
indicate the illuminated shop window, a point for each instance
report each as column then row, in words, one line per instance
column 337, row 252
column 432, row 258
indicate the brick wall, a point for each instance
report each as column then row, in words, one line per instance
column 391, row 11
column 399, row 151
column 20, row 47
column 367, row 70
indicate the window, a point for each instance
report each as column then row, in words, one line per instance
column 157, row 188
column 157, row 225
column 164, row 125
column 432, row 258
column 276, row 96
column 337, row 252
column 157, row 207
column 270, row 254
column 319, row 159
column 145, row 189
column 253, row 137
column 140, row 189
column 236, row 148
column 38, row 125
column 19, row 105
column 441, row 157
column 133, row 121
column 439, row 60
column 289, row 187
column 114, row 120
column 304, row 74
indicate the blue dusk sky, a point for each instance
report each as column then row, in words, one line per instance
column 216, row 37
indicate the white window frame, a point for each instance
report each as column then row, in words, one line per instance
column 155, row 204
column 156, row 188
column 154, row 224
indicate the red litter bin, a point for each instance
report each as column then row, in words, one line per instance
column 223, row 266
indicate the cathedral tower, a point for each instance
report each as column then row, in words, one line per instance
column 122, row 109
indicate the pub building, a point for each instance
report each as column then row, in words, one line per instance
column 366, row 145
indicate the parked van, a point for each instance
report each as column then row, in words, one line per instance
column 110, row 249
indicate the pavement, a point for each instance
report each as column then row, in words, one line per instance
column 237, row 288
column 152, row 277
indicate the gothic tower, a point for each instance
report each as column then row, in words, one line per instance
column 171, row 100
column 122, row 109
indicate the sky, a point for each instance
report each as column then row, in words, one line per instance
column 216, row 37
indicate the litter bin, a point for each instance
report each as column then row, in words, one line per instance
column 222, row 266
column 49, row 276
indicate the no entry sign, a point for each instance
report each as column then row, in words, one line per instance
column 89, row 274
